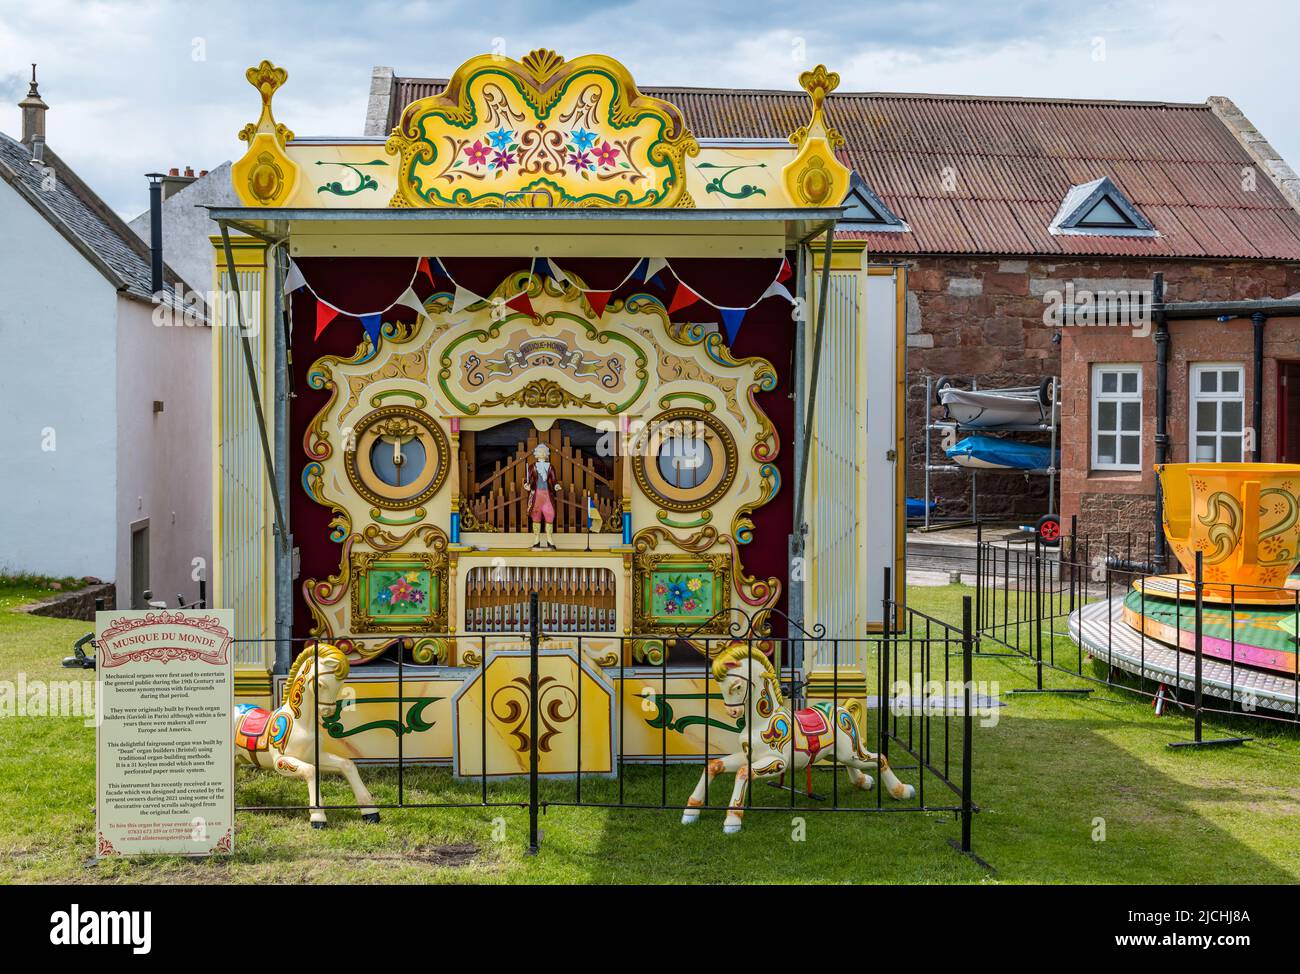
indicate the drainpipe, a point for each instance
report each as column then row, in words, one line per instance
column 1162, row 405
column 1257, row 320
column 155, row 233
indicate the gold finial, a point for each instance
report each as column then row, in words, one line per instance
column 267, row 79
column 818, row 83
column 542, row 63
column 815, row 177
column 265, row 176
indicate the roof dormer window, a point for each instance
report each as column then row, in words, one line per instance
column 1100, row 208
column 864, row 210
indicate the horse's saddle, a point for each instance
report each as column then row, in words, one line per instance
column 815, row 725
column 251, row 728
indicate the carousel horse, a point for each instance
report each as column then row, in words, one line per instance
column 281, row 740
column 783, row 741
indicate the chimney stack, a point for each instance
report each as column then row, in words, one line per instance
column 34, row 119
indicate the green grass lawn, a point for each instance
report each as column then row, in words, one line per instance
column 1046, row 776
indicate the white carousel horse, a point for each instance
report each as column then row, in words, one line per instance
column 783, row 742
column 283, row 741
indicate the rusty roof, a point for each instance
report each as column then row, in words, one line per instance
column 985, row 175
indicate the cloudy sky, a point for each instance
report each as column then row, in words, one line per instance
column 135, row 85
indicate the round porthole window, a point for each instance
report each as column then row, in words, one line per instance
column 685, row 460
column 400, row 457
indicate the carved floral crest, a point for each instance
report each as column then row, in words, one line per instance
column 542, row 132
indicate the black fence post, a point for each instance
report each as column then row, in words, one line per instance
column 1200, row 607
column 534, row 641
column 1038, row 605
column 979, row 572
column 886, row 632
column 1197, row 687
column 968, row 724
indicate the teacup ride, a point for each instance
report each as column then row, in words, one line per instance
column 1244, row 519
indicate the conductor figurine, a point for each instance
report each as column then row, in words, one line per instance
column 541, row 483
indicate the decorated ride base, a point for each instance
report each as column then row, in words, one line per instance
column 1254, row 633
column 1183, row 588
column 1236, row 526
column 1101, row 629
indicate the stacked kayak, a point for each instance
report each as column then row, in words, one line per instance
column 995, row 453
column 996, row 408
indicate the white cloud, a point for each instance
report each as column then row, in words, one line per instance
column 127, row 95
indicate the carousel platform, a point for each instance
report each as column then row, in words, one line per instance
column 1101, row 629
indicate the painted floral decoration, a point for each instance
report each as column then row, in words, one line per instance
column 407, row 590
column 684, row 593
column 584, row 151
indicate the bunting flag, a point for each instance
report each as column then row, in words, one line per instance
column 777, row 290
column 410, row 299
column 731, row 319
column 784, row 274
column 653, row 265
column 324, row 315
column 371, row 323
column 294, row 279
column 521, row 303
column 598, row 300
column 463, row 298
column 554, row 270
column 683, row 298
column 424, row 268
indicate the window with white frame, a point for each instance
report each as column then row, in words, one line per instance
column 1218, row 406
column 1117, row 417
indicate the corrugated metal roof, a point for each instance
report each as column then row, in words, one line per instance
column 1012, row 161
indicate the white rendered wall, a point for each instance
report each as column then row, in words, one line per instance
column 57, row 324
column 164, row 458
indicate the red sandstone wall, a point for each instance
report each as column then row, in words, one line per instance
column 984, row 317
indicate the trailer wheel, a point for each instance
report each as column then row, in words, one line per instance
column 1045, row 391
column 940, row 384
column 1049, row 530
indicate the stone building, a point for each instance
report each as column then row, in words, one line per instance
column 972, row 195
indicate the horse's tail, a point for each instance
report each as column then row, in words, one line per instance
column 858, row 711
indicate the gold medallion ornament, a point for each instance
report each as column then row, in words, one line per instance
column 542, row 132
column 265, row 176
column 814, row 177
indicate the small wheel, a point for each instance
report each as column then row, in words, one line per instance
column 1046, row 392
column 1049, row 530
column 940, row 384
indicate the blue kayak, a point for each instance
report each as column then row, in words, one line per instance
column 993, row 453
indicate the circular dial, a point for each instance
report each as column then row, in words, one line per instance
column 686, row 460
column 399, row 457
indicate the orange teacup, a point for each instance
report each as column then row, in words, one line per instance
column 1244, row 518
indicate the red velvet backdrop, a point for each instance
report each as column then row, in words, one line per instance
column 361, row 285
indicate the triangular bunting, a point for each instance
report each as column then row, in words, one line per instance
column 785, row 272
column 684, row 297
column 294, row 279
column 777, row 290
column 653, row 265
column 598, row 300
column 324, row 315
column 549, row 266
column 410, row 299
column 425, row 269
column 731, row 319
column 521, row 303
column 463, row 299
column 371, row 323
